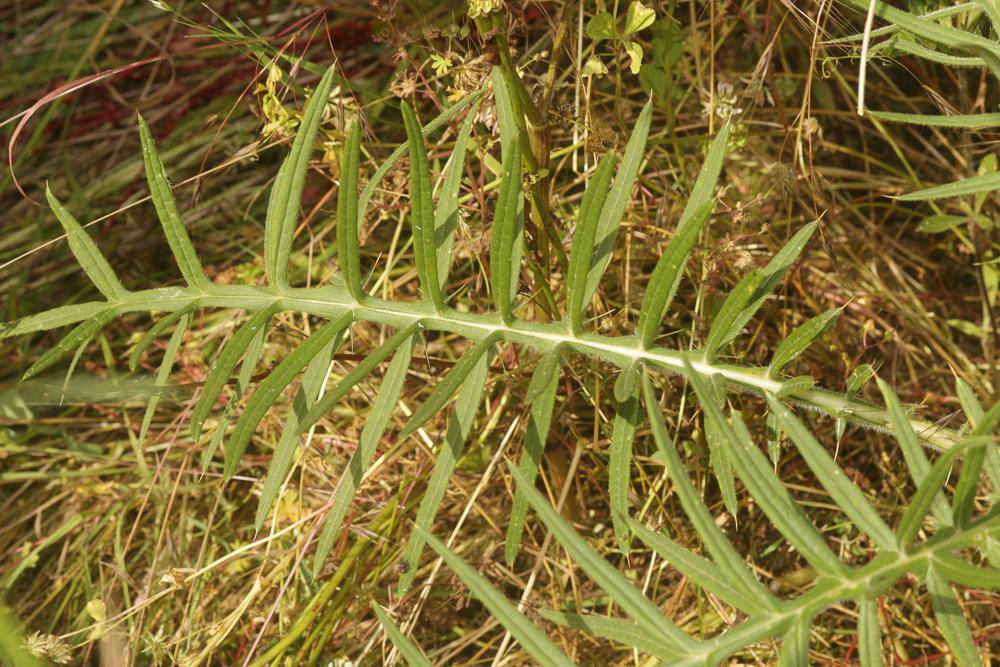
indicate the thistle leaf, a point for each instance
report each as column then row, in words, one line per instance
column 286, row 195
column 541, row 396
column 800, row 339
column 269, row 390
column 89, row 257
column 371, row 435
column 166, row 211
column 422, row 210
column 348, row 245
column 530, row 637
column 445, row 389
column 223, row 367
column 410, row 652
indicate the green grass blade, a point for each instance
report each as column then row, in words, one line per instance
column 584, row 240
column 154, row 331
column 446, row 214
column 359, row 373
column 286, row 195
column 163, row 374
column 530, row 637
column 966, row 186
column 466, row 407
column 913, row 451
column 269, row 390
column 541, row 396
column 348, row 245
column 619, row 589
column 970, row 121
column 613, row 629
column 507, row 230
column 620, row 466
column 447, row 387
column 284, row 452
column 400, row 151
column 371, row 435
column 85, row 250
column 613, row 210
column 701, row 571
column 410, row 652
column 76, row 337
column 166, row 211
column 223, row 367
column 760, row 479
column 800, row 339
column 422, row 210
column 845, row 493
column 869, row 633
column 725, row 556
column 951, row 621
column 670, row 268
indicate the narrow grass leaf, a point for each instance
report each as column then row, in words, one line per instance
column 869, row 633
column 951, row 620
column 845, row 493
column 76, row 337
column 584, row 240
column 422, row 210
column 642, row 610
column 701, row 571
column 269, row 390
column 154, row 331
column 616, row 630
column 286, row 194
column 620, row 466
column 541, row 396
column 466, row 407
column 359, row 373
column 800, row 339
column 87, row 255
column 759, row 478
column 726, row 558
column 348, row 239
column 166, row 211
column 284, row 452
column 446, row 214
column 447, row 387
column 410, row 652
column 371, row 435
column 163, row 375
column 613, row 210
column 913, row 452
column 506, row 233
column 223, row 367
column 969, row 121
column 967, row 186
column 530, row 637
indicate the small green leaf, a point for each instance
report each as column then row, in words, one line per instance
column 869, row 633
column 90, row 258
column 286, row 195
column 638, row 17
column 966, row 574
column 154, row 331
column 541, row 397
column 634, row 52
column 371, row 435
column 620, row 465
column 796, row 386
column 967, row 186
column 800, row 339
column 422, row 211
column 162, row 375
column 269, row 390
column 795, row 646
column 952, row 622
column 447, row 387
column 584, row 240
column 466, row 407
column 348, row 240
column 166, row 211
column 530, row 637
column 410, row 652
column 718, row 458
column 507, row 230
column 594, row 67
column 223, row 367
column 971, row 121
column 446, row 214
column 725, row 325
column 627, row 382
column 614, row 629
column 601, row 27
column 76, row 337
